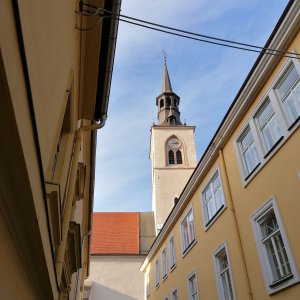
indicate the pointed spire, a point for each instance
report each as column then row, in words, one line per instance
column 166, row 84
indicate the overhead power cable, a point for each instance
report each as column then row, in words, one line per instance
column 191, row 35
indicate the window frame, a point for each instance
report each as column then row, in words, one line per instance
column 157, row 274
column 164, row 264
column 172, row 254
column 216, row 253
column 147, row 291
column 208, row 184
column 181, row 148
column 186, row 248
column 250, row 123
column 189, row 277
column 172, row 293
column 271, row 285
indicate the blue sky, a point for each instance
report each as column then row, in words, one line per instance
column 206, row 78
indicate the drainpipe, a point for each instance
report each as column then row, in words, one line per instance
column 236, row 228
column 69, row 207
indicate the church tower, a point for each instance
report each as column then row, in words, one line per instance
column 172, row 152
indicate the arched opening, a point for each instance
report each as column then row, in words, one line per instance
column 168, row 101
column 178, row 157
column 172, row 120
column 175, row 102
column 171, row 157
column 161, row 103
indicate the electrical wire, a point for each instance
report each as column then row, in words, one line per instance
column 205, row 38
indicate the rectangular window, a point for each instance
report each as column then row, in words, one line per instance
column 288, row 90
column 213, row 198
column 172, row 253
column 193, row 287
column 187, row 231
column 175, row 294
column 268, row 125
column 275, row 256
column 248, row 150
column 157, row 273
column 164, row 262
column 224, row 281
column 147, row 284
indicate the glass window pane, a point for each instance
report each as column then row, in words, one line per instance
column 287, row 81
column 265, row 113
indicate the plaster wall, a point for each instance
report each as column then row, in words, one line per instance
column 116, row 277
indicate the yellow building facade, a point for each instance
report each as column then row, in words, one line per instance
column 56, row 61
column 233, row 233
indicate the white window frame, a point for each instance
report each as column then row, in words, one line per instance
column 186, row 248
column 164, row 263
column 270, row 285
column 157, row 274
column 147, row 284
column 207, row 222
column 172, row 252
column 286, row 128
column 216, row 253
column 189, row 277
column 172, row 293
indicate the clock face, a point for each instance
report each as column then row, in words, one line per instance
column 174, row 143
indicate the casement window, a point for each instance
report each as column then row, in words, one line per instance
column 272, row 122
column 248, row 150
column 172, row 253
column 268, row 125
column 147, row 284
column 223, row 274
column 212, row 197
column 164, row 263
column 192, row 287
column 157, row 273
column 174, row 295
column 288, row 91
column 187, row 231
column 274, row 252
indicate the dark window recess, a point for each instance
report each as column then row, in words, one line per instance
column 171, row 157
column 161, row 103
column 168, row 101
column 178, row 157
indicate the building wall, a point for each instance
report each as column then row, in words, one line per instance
column 168, row 181
column 116, row 277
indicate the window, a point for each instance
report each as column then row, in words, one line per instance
column 172, row 253
column 193, row 287
column 175, row 294
column 275, row 256
column 147, row 284
column 157, row 273
column 213, row 198
column 171, row 157
column 187, row 231
column 288, row 91
column 164, row 263
column 223, row 273
column 248, row 150
column 168, row 101
column 268, row 125
column 161, row 103
column 178, row 157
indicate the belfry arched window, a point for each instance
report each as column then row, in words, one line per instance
column 168, row 101
column 161, row 103
column 174, row 151
column 178, row 157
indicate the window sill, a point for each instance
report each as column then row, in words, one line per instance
column 294, row 123
column 157, row 286
column 172, row 268
column 274, row 146
column 188, row 249
column 281, row 280
column 165, row 277
column 252, row 172
column 215, row 217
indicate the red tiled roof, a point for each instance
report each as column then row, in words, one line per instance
column 115, row 233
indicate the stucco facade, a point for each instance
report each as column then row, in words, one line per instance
column 234, row 231
column 54, row 95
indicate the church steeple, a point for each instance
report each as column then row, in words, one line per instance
column 168, row 102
